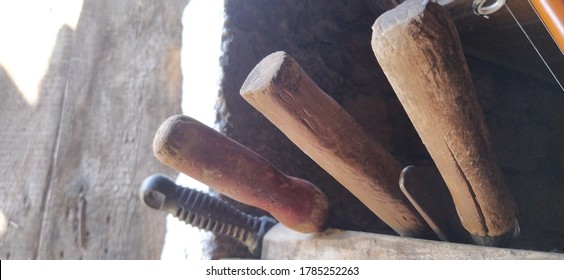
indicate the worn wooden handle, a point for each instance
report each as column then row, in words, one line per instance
column 281, row 90
column 418, row 48
column 204, row 154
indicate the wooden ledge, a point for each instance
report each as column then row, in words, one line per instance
column 283, row 243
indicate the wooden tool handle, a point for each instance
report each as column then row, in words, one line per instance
column 204, row 154
column 418, row 48
column 551, row 13
column 281, row 90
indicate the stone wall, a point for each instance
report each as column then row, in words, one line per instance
column 331, row 41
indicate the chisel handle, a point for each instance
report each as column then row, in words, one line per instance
column 230, row 168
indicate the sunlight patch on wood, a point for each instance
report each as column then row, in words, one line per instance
column 24, row 26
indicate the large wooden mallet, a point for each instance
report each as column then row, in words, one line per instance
column 283, row 92
column 419, row 49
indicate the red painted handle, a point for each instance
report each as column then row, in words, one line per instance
column 204, row 154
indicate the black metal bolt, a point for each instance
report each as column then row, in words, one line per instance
column 205, row 211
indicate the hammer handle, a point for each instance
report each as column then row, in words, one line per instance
column 283, row 92
column 419, row 50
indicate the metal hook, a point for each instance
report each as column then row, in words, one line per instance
column 481, row 10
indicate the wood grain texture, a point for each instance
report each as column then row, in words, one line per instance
column 281, row 90
column 71, row 166
column 281, row 243
column 26, row 152
column 418, row 47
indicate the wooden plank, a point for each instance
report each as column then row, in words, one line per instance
column 127, row 87
column 77, row 160
column 31, row 90
column 281, row 243
column 26, row 152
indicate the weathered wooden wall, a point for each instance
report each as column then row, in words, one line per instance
column 70, row 166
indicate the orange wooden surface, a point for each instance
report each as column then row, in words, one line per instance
column 551, row 12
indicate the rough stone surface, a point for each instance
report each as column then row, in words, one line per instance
column 331, row 41
column 526, row 123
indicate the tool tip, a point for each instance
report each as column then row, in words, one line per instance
column 498, row 241
column 154, row 190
